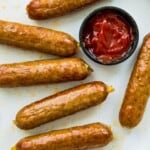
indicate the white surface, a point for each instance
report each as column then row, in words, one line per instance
column 12, row 99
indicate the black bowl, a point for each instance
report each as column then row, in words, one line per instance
column 121, row 13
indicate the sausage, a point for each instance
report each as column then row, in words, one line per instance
column 43, row 9
column 37, row 38
column 76, row 138
column 43, row 71
column 138, row 89
column 61, row 104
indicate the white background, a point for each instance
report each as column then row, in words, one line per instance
column 12, row 99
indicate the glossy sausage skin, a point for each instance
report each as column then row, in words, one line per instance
column 43, row 71
column 43, row 9
column 61, row 104
column 138, row 89
column 37, row 38
column 75, row 138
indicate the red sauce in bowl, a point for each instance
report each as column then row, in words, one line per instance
column 108, row 36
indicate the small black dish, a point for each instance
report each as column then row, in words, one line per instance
column 123, row 14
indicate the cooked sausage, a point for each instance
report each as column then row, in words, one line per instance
column 61, row 104
column 138, row 89
column 37, row 38
column 43, row 71
column 43, row 9
column 75, row 138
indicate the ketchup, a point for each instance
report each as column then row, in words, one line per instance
column 108, row 36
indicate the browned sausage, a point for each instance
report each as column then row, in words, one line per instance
column 76, row 138
column 138, row 89
column 43, row 71
column 37, row 38
column 61, row 104
column 43, row 9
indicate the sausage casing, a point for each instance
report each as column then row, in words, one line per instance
column 138, row 89
column 61, row 104
column 43, row 9
column 43, row 71
column 37, row 38
column 75, row 138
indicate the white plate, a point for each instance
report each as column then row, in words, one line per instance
column 12, row 99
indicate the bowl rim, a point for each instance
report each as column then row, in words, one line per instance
column 127, row 17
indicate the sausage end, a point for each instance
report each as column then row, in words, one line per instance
column 35, row 11
column 126, row 118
